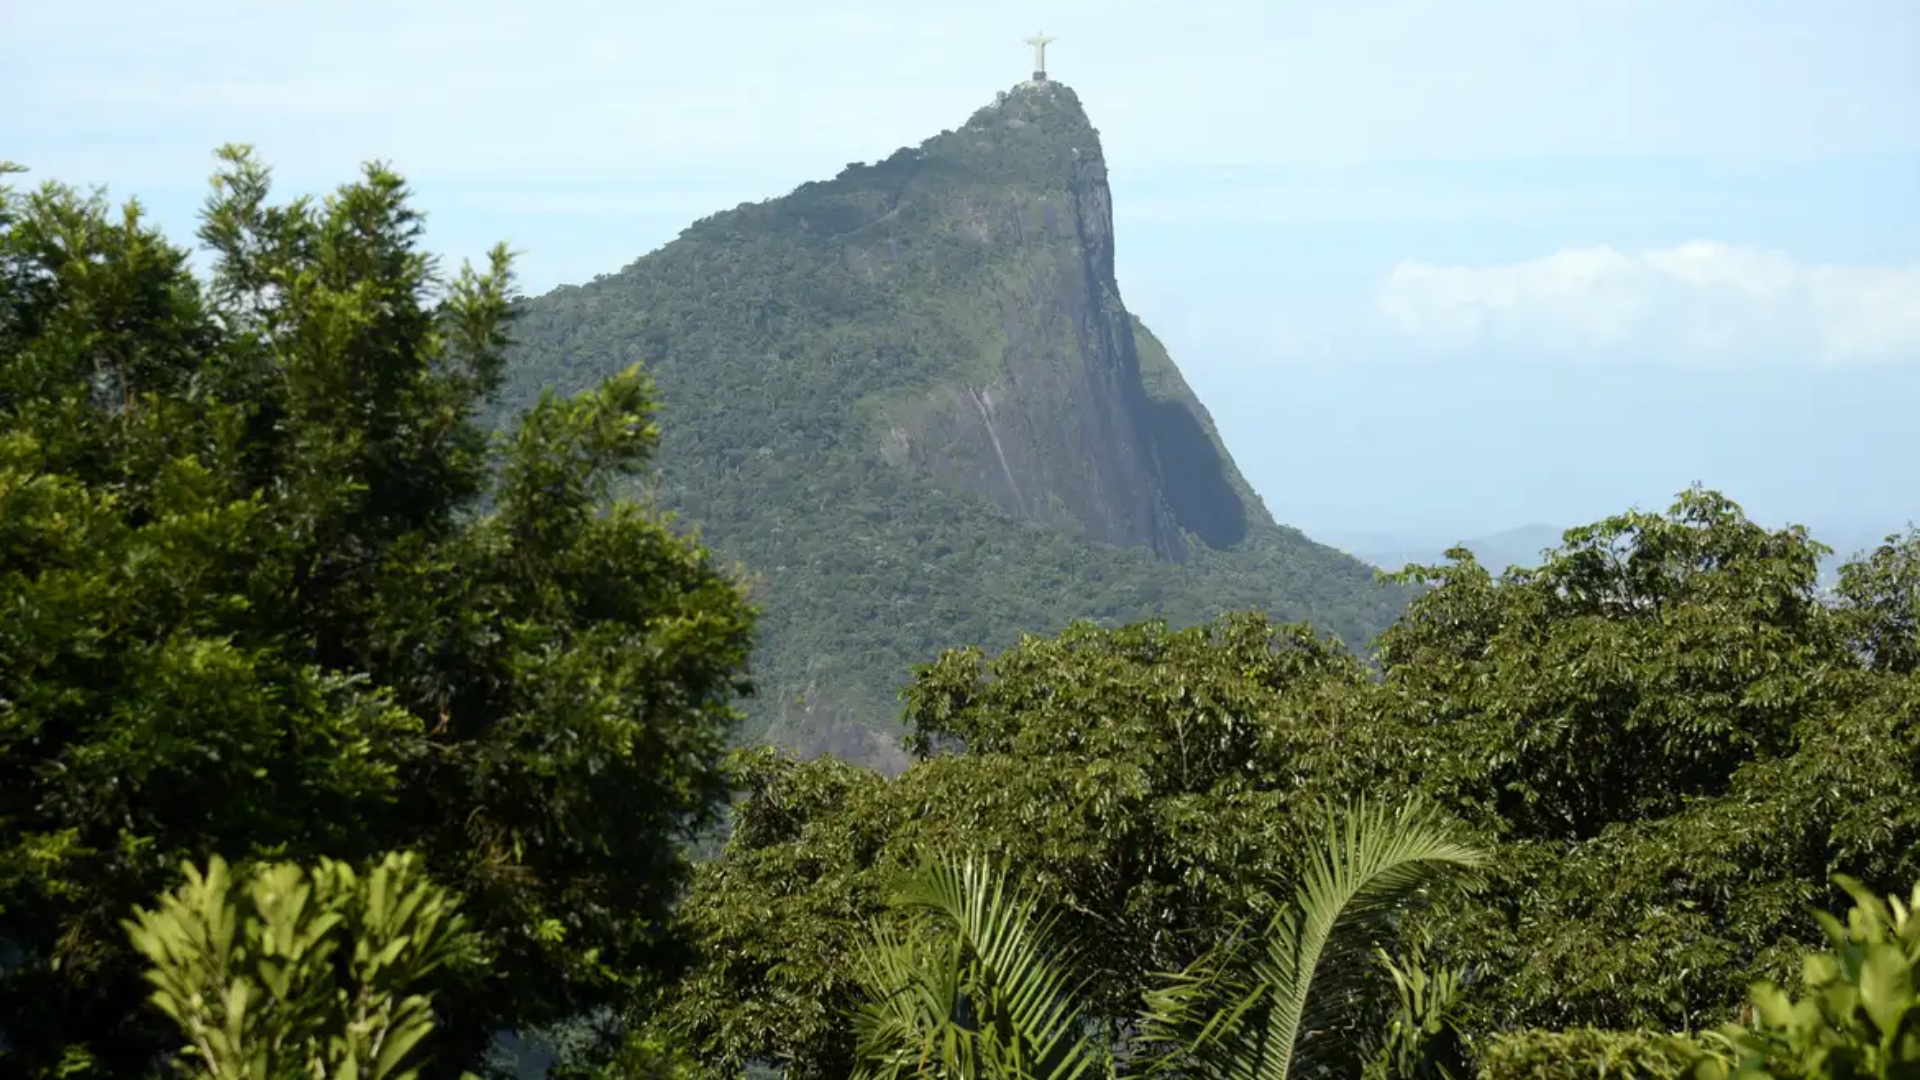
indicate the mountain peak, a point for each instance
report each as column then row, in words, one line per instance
column 1035, row 136
column 1009, row 367
column 921, row 372
column 1044, row 410
column 1034, row 125
column 1036, row 101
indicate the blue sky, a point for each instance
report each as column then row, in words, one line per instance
column 1438, row 268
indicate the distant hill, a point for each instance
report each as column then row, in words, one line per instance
column 1513, row 547
column 911, row 402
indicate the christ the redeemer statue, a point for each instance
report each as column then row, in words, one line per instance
column 1039, row 43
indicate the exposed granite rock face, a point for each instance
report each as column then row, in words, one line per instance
column 1055, row 425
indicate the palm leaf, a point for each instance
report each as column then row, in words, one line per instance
column 910, row 991
column 976, row 990
column 1248, row 1009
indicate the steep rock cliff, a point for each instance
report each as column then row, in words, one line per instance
column 1054, row 424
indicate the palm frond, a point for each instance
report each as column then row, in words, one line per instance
column 993, row 997
column 1245, row 1011
column 911, row 983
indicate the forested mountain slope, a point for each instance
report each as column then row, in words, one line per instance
column 911, row 402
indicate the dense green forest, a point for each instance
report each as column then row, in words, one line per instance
column 826, row 358
column 346, row 724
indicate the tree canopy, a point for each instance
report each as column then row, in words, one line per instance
column 1668, row 743
column 272, row 591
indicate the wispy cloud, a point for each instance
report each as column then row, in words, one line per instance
column 1695, row 301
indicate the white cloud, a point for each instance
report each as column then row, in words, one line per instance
column 1699, row 300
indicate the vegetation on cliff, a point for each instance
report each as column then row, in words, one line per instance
column 828, row 359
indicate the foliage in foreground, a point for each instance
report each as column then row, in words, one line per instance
column 272, row 591
column 1289, row 999
column 1858, row 1018
column 979, row 984
column 1859, row 1015
column 971, row 988
column 291, row 973
column 983, row 986
column 1137, row 776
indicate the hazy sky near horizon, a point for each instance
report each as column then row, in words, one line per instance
column 1437, row 268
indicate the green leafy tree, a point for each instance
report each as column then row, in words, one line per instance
column 272, row 591
column 1638, row 668
column 298, row 973
column 1421, row 1041
column 1881, row 598
column 1675, row 744
column 1858, row 1018
column 1585, row 1053
column 1860, row 1015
